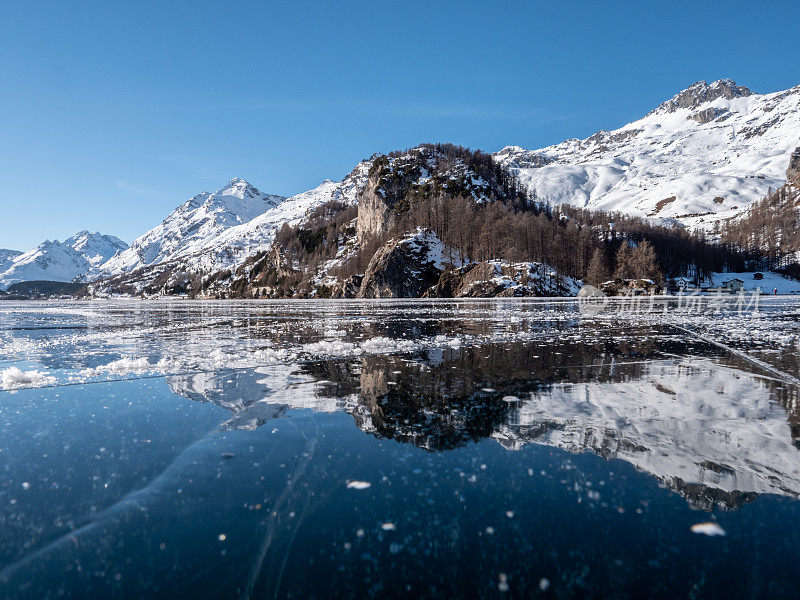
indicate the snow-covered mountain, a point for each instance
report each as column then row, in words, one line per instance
column 702, row 156
column 192, row 228
column 96, row 247
column 256, row 235
column 6, row 256
column 59, row 261
column 212, row 232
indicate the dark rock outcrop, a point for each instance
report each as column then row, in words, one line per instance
column 499, row 279
column 518, row 158
column 348, row 288
column 701, row 92
column 403, row 267
column 477, row 280
column 707, row 115
column 793, row 172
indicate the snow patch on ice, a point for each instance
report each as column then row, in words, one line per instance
column 15, row 378
column 708, row 528
column 358, row 485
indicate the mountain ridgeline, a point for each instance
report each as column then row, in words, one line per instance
column 442, row 220
column 699, row 185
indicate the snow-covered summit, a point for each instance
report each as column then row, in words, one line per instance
column 239, row 188
column 58, row 261
column 213, row 232
column 190, row 228
column 253, row 236
column 701, row 92
column 702, row 156
column 96, row 247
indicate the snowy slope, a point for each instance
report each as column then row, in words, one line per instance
column 714, row 148
column 770, row 282
column 59, row 261
column 245, row 240
column 6, row 256
column 96, row 247
column 212, row 232
column 50, row 261
column 192, row 227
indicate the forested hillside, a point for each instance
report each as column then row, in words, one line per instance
column 769, row 232
column 479, row 213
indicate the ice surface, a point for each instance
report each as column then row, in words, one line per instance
column 395, row 443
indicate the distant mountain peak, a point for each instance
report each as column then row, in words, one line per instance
column 194, row 226
column 95, row 247
column 240, row 188
column 701, row 92
column 702, row 156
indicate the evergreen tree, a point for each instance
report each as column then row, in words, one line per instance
column 643, row 262
column 624, row 268
column 598, row 270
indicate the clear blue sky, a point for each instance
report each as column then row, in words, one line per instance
column 113, row 113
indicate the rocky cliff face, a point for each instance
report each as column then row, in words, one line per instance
column 701, row 92
column 473, row 280
column 793, row 172
column 347, row 288
column 399, row 180
column 404, row 267
column 374, row 210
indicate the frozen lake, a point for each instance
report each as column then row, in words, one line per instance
column 499, row 448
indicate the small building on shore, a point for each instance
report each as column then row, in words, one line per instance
column 734, row 285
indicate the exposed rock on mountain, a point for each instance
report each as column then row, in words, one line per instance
column 404, row 267
column 348, row 288
column 400, row 179
column 709, row 141
column 701, row 93
column 497, row 278
column 793, row 172
column 374, row 211
column 5, row 258
column 518, row 158
column 473, row 280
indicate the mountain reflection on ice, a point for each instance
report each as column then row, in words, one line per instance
column 428, row 450
column 714, row 433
